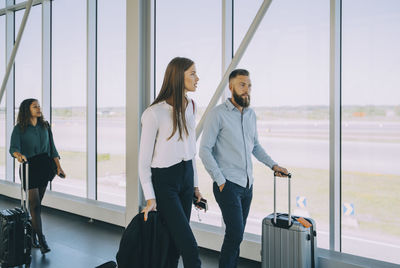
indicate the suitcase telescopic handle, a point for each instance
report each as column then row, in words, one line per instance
column 289, row 176
column 25, row 180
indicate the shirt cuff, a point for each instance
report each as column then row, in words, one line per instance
column 220, row 181
column 273, row 164
column 148, row 191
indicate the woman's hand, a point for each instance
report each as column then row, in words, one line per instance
column 150, row 206
column 20, row 157
column 61, row 173
column 197, row 194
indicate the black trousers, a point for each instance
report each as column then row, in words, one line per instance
column 173, row 187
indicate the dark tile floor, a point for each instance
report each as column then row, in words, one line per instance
column 77, row 243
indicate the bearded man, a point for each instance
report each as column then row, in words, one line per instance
column 229, row 138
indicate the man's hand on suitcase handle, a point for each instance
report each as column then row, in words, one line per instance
column 281, row 171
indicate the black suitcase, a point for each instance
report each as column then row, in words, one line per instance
column 15, row 231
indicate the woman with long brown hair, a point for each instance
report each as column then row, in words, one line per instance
column 167, row 164
column 32, row 142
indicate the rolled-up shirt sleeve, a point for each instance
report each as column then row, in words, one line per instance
column 208, row 140
column 15, row 144
column 147, row 142
column 53, row 149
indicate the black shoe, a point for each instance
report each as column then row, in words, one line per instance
column 44, row 248
column 35, row 243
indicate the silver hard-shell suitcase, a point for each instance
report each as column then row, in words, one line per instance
column 286, row 243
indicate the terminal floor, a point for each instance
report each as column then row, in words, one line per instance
column 76, row 242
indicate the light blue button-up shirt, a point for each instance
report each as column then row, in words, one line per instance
column 229, row 138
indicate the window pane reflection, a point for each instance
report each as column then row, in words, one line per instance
column 28, row 63
column 288, row 61
column 69, row 93
column 111, row 174
column 191, row 35
column 371, row 129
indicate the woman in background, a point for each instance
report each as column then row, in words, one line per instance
column 31, row 140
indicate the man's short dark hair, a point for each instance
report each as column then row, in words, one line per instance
column 237, row 72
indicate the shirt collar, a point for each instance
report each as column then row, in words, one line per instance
column 229, row 105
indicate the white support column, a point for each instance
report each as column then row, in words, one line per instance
column 46, row 59
column 227, row 48
column 91, row 141
column 10, row 96
column 227, row 40
column 335, row 125
column 133, row 100
column 138, row 92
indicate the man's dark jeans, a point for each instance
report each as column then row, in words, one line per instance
column 234, row 202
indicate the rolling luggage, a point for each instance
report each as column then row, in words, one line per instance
column 16, row 230
column 288, row 241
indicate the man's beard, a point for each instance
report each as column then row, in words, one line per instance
column 243, row 102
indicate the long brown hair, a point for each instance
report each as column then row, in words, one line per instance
column 24, row 115
column 174, row 85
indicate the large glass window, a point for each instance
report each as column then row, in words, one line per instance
column 196, row 34
column 371, row 129
column 3, row 151
column 111, row 175
column 288, row 61
column 69, row 93
column 28, row 63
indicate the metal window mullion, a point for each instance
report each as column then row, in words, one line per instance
column 151, row 30
column 335, row 125
column 46, row 59
column 46, row 62
column 227, row 40
column 147, row 65
column 19, row 6
column 91, row 99
column 227, row 49
column 10, row 96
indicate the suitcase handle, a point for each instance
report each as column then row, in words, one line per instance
column 25, row 180
column 289, row 176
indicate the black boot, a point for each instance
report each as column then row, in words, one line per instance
column 44, row 248
column 35, row 243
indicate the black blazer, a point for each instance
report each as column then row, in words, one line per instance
column 145, row 244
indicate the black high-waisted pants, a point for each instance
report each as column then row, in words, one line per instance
column 173, row 188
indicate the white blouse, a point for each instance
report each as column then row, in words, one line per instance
column 156, row 151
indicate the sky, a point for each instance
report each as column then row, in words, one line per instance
column 288, row 58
